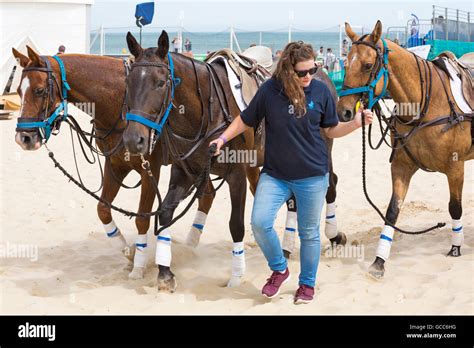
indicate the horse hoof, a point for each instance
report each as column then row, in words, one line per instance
column 286, row 254
column 234, row 281
column 340, row 239
column 129, row 252
column 167, row 282
column 193, row 238
column 455, row 251
column 137, row 273
column 377, row 269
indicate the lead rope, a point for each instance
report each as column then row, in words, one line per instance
column 364, row 187
column 130, row 214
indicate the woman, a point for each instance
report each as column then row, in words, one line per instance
column 295, row 107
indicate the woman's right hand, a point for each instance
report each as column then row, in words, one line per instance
column 219, row 143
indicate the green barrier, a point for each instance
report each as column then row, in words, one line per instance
column 457, row 47
column 337, row 78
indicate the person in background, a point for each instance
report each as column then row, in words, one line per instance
column 330, row 60
column 187, row 45
column 295, row 108
column 344, row 49
column 320, row 53
column 320, row 57
column 61, row 49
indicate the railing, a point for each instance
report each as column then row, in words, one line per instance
column 106, row 41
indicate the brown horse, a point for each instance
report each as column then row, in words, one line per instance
column 435, row 139
column 202, row 105
column 101, row 81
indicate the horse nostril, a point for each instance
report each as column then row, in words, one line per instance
column 26, row 139
column 347, row 115
column 140, row 143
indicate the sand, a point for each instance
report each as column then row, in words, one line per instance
column 77, row 271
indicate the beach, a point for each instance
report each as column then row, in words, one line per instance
column 76, row 271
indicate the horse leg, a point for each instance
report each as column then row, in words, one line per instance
column 456, row 181
column 205, row 203
column 288, row 242
column 238, row 191
column 147, row 198
column 109, row 192
column 401, row 176
column 178, row 186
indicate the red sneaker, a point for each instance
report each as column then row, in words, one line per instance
column 277, row 279
column 304, row 294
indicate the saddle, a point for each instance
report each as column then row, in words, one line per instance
column 463, row 72
column 250, row 72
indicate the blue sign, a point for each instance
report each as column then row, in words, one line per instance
column 144, row 13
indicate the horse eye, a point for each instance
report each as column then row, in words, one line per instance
column 39, row 91
column 160, row 83
column 368, row 66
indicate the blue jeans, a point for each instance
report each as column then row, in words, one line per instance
column 270, row 196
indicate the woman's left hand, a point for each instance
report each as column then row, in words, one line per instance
column 368, row 117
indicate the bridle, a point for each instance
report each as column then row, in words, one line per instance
column 378, row 71
column 45, row 124
column 156, row 121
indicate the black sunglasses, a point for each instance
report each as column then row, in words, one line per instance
column 303, row 73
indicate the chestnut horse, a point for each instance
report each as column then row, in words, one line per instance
column 435, row 139
column 197, row 99
column 101, row 81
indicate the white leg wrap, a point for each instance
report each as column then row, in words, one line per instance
column 385, row 243
column 330, row 229
column 238, row 259
column 140, row 251
column 115, row 236
column 194, row 234
column 238, row 264
column 457, row 233
column 163, row 248
column 289, row 235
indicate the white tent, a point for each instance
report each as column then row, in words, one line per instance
column 44, row 25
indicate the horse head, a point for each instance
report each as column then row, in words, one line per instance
column 150, row 91
column 42, row 100
column 364, row 62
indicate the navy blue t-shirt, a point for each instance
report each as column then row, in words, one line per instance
column 294, row 148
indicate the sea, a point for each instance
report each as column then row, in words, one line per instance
column 204, row 42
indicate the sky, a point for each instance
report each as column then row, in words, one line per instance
column 218, row 15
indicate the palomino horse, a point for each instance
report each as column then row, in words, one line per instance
column 98, row 80
column 436, row 139
column 203, row 105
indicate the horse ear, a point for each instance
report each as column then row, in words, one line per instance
column 377, row 32
column 34, row 57
column 350, row 33
column 133, row 46
column 163, row 44
column 21, row 58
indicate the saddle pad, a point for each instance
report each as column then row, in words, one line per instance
column 234, row 82
column 456, row 88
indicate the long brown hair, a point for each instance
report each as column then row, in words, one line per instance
column 293, row 53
